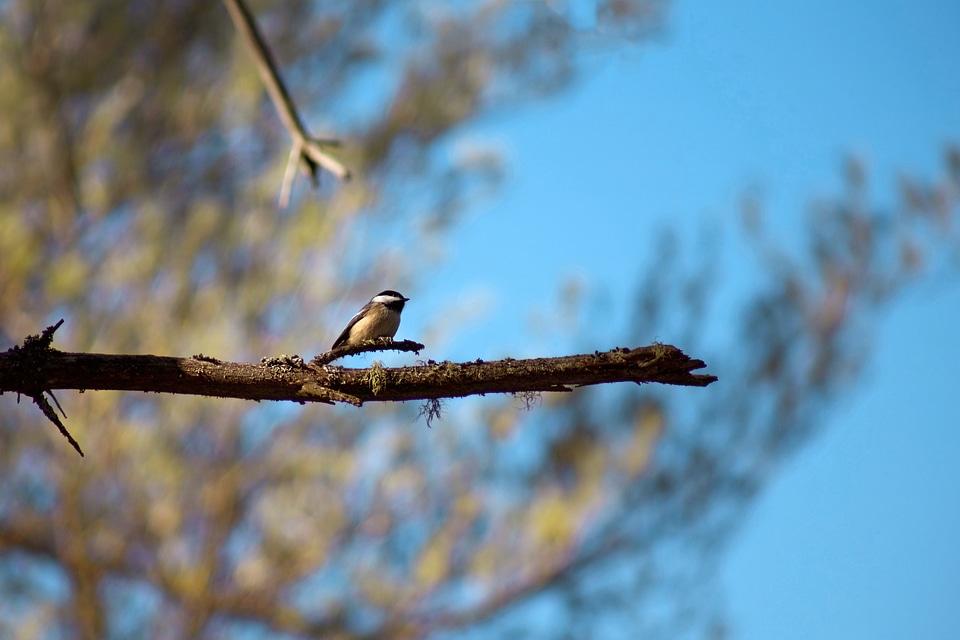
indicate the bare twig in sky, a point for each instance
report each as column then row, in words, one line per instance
column 306, row 151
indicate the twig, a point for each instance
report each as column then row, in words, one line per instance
column 55, row 419
column 380, row 344
column 286, row 188
column 308, row 151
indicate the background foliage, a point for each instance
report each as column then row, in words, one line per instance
column 139, row 168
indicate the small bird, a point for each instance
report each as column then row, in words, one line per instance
column 379, row 318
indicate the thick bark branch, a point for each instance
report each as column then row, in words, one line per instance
column 280, row 380
column 36, row 368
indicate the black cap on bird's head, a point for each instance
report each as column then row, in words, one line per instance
column 390, row 298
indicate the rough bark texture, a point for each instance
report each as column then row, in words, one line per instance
column 290, row 379
column 35, row 369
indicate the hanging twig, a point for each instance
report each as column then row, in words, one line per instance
column 307, row 151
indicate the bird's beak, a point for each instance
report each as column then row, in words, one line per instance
column 406, row 299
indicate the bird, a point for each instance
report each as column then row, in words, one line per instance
column 379, row 318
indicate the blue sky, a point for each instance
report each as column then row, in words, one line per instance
column 856, row 537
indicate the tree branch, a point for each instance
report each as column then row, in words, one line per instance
column 380, row 344
column 306, row 150
column 36, row 368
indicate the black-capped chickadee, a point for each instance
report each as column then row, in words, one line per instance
column 379, row 318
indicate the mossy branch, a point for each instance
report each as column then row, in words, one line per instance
column 36, row 368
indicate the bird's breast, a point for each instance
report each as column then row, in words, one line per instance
column 378, row 323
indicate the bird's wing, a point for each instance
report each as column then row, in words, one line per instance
column 342, row 338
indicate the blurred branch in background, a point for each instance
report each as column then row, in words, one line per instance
column 306, row 151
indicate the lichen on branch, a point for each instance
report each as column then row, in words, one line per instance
column 36, row 368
